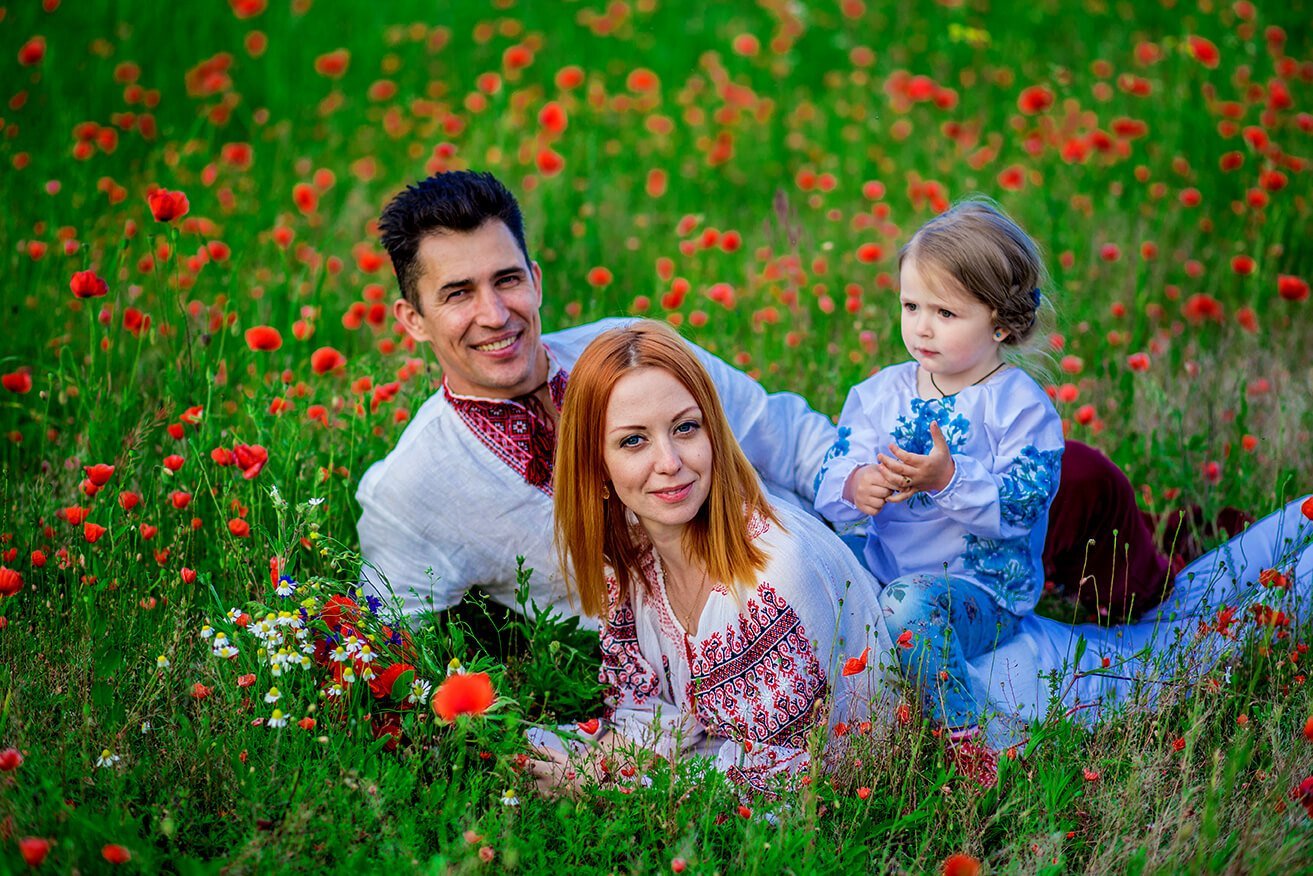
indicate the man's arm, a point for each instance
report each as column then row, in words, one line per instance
column 784, row 439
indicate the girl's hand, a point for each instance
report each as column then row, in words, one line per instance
column 868, row 489
column 911, row 473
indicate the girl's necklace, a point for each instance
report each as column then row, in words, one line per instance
column 943, row 394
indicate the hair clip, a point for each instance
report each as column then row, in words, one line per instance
column 1035, row 296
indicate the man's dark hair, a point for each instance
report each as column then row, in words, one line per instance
column 458, row 200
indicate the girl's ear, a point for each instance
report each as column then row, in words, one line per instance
column 1000, row 335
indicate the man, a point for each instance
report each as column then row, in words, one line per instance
column 468, row 487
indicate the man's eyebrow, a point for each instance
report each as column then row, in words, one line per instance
column 466, row 282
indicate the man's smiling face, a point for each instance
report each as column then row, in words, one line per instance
column 479, row 299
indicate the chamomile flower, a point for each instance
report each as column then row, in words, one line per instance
column 234, row 614
column 454, row 667
column 161, row 662
column 107, row 759
column 224, row 648
column 339, row 655
column 334, row 691
column 273, row 696
column 286, row 586
column 353, row 644
column 305, row 661
column 366, row 654
column 349, row 674
column 206, row 631
column 315, row 502
column 277, row 719
column 419, row 691
column 509, row 798
column 145, row 726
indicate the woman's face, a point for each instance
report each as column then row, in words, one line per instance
column 656, row 451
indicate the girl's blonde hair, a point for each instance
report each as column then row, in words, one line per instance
column 592, row 531
column 979, row 248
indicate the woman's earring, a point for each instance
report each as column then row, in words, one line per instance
column 998, row 334
column 606, row 492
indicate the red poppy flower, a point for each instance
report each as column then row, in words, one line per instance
column 326, row 359
column 549, row 161
column 338, row 609
column 173, row 462
column 960, row 865
column 250, row 459
column 99, row 474
column 239, row 527
column 34, row 850
column 306, row 723
column 263, row 338
column 1034, row 99
column 552, row 118
column 591, row 726
column 1204, row 51
column 599, row 277
column 1242, row 265
column 115, row 854
column 642, row 79
column 1292, row 288
column 200, row 691
column 166, row 206
column 1138, row 361
column 1307, row 508
column 92, row 532
column 10, row 760
column 463, row 694
column 333, row 64
column 905, row 639
column 88, row 284
column 381, row 685
column 18, row 382
column 10, row 581
column 856, row 665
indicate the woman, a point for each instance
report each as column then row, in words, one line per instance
column 730, row 627
column 726, row 620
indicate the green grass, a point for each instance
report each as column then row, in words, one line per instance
column 204, row 790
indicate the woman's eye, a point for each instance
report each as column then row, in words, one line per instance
column 631, row 441
column 687, row 426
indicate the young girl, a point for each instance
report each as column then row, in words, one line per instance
column 954, row 457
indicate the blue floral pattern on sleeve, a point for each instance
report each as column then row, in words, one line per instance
column 1005, row 566
column 1024, row 492
column 839, row 448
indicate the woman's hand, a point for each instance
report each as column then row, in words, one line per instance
column 911, row 473
column 868, row 489
column 554, row 775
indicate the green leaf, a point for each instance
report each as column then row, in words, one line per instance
column 401, row 687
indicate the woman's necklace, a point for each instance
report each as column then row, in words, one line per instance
column 943, row 394
column 693, row 604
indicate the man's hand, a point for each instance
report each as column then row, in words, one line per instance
column 868, row 489
column 911, row 473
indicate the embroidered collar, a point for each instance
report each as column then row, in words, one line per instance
column 517, row 430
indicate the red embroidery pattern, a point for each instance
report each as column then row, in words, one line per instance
column 762, row 680
column 624, row 669
column 506, row 428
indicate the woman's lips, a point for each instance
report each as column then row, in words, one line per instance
column 674, row 494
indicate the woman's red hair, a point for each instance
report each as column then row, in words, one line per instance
column 592, row 532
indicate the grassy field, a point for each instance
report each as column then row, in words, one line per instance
column 746, row 171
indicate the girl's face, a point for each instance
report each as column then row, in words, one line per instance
column 949, row 332
column 656, row 451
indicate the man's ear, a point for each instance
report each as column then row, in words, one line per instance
column 411, row 320
column 537, row 272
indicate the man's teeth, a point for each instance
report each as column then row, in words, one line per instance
column 496, row 345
